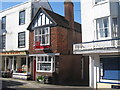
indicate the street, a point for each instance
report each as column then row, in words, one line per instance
column 15, row 84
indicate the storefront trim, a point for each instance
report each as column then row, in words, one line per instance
column 44, row 54
column 12, row 53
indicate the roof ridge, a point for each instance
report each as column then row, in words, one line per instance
column 55, row 13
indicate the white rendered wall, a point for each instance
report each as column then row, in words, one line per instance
column 90, row 12
column 13, row 27
column 87, row 20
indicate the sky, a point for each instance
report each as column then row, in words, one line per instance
column 57, row 6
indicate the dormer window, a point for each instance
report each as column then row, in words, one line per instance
column 42, row 36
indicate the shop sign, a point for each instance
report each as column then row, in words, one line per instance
column 13, row 53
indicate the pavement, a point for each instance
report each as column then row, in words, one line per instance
column 16, row 84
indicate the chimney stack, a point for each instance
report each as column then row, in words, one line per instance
column 69, row 15
column 69, row 12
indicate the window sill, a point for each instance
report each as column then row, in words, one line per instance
column 105, row 38
column 44, row 71
column 100, row 3
column 43, row 49
column 21, row 24
column 21, row 47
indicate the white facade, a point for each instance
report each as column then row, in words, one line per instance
column 90, row 12
column 13, row 27
column 101, row 41
column 16, row 43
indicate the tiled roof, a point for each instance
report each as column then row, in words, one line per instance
column 60, row 20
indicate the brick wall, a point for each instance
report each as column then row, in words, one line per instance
column 61, row 41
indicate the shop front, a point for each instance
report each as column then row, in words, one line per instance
column 16, row 65
column 44, row 66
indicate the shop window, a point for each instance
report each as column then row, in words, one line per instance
column 45, row 64
column 110, row 68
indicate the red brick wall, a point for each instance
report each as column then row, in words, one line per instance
column 53, row 43
column 69, row 66
column 61, row 41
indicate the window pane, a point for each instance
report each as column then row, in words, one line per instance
column 49, row 58
column 106, row 32
column 42, row 35
column 99, row 23
column 47, row 39
column 21, row 39
column 46, row 30
column 40, row 38
column 39, row 31
column 36, row 32
column 105, row 22
column 3, row 22
column 45, row 66
column 3, row 41
column 101, row 33
column 35, row 38
column 45, row 58
column 42, row 58
column 22, row 17
column 38, row 66
column 115, row 27
column 43, row 31
column 38, row 58
column 103, row 27
column 43, row 39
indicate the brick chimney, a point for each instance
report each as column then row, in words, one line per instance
column 69, row 15
column 69, row 12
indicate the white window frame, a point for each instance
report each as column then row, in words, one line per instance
column 99, row 29
column 46, row 34
column 3, row 23
column 21, row 39
column 22, row 17
column 42, row 60
column 3, row 41
column 115, row 26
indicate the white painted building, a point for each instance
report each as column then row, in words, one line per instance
column 14, row 36
column 101, row 41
